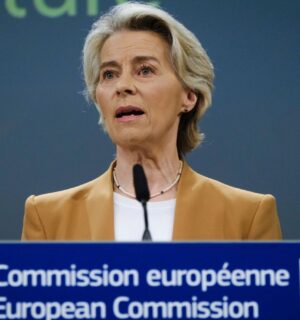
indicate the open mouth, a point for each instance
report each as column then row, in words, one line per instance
column 128, row 111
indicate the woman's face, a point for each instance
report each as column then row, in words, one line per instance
column 138, row 92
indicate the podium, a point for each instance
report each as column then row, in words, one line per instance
column 177, row 280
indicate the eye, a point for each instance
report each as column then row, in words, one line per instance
column 145, row 70
column 108, row 74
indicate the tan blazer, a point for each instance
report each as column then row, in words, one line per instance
column 205, row 210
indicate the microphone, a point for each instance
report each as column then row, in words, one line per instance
column 142, row 195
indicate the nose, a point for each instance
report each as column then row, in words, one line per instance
column 125, row 85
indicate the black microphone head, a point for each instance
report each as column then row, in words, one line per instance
column 140, row 183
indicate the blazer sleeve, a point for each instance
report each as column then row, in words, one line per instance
column 265, row 223
column 33, row 228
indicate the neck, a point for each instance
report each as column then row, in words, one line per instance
column 161, row 170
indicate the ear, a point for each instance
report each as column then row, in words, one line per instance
column 189, row 100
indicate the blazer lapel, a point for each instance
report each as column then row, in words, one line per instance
column 100, row 208
column 188, row 206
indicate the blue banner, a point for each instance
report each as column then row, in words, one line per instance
column 149, row 281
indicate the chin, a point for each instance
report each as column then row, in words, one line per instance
column 130, row 141
column 127, row 136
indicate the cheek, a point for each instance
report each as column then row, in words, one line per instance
column 99, row 95
column 170, row 89
column 101, row 101
column 168, row 99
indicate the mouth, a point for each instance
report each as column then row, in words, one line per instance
column 128, row 113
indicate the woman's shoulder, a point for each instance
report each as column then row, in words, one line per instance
column 79, row 192
column 65, row 214
column 73, row 193
column 228, row 212
column 69, row 200
column 217, row 188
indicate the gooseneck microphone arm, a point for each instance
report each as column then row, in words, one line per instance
column 142, row 195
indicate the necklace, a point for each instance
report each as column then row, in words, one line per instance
column 178, row 175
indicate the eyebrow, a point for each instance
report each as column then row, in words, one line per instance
column 144, row 59
column 137, row 59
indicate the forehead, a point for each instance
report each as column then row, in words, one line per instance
column 126, row 44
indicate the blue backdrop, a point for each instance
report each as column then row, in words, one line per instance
column 49, row 135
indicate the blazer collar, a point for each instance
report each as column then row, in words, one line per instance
column 186, row 203
column 100, row 207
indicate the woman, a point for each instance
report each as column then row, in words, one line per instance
column 151, row 81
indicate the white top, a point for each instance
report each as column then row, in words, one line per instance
column 129, row 219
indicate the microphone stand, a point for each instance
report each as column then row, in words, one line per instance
column 146, row 234
column 142, row 195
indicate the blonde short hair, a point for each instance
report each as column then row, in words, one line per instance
column 190, row 61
